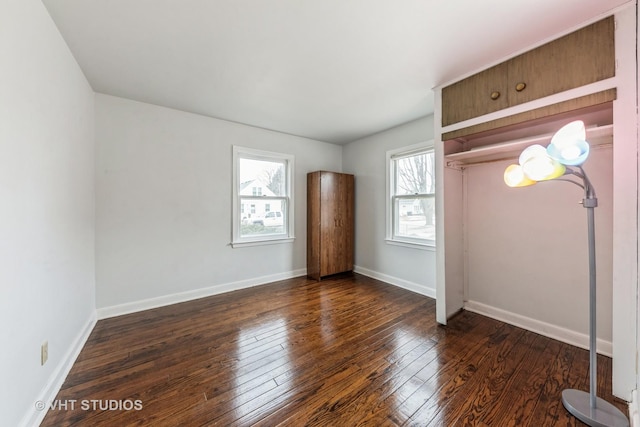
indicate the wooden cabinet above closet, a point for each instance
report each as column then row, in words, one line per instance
column 577, row 59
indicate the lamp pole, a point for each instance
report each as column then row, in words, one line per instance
column 590, row 204
column 590, row 409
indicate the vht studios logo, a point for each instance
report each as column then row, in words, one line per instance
column 91, row 405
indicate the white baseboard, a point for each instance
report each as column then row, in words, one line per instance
column 634, row 410
column 146, row 304
column 547, row 329
column 405, row 284
column 48, row 394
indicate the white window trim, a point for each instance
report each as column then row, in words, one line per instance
column 236, row 240
column 428, row 245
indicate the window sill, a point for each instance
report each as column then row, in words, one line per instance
column 262, row 242
column 431, row 247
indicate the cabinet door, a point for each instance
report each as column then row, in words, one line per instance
column 474, row 96
column 336, row 224
column 313, row 225
column 577, row 59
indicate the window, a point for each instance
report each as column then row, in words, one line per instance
column 411, row 196
column 263, row 181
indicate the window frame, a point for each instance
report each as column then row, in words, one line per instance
column 391, row 197
column 237, row 240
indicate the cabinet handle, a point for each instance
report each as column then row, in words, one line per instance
column 495, row 95
column 520, row 86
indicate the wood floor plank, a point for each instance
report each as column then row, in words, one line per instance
column 527, row 385
column 375, row 346
column 347, row 351
column 442, row 380
column 499, row 377
column 406, row 348
column 394, row 391
column 460, row 390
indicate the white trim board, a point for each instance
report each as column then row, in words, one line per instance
column 48, row 394
column 634, row 409
column 547, row 329
column 401, row 283
column 161, row 301
column 164, row 300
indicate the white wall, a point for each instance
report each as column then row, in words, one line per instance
column 47, row 282
column 634, row 406
column 163, row 182
column 527, row 251
column 411, row 268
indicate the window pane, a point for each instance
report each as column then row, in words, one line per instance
column 267, row 217
column 263, row 200
column 414, row 174
column 415, row 218
column 262, row 178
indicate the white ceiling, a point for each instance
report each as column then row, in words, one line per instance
column 332, row 70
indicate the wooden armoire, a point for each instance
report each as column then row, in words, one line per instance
column 330, row 223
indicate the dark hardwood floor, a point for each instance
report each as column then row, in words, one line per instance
column 346, row 351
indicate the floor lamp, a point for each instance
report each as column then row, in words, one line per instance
column 563, row 160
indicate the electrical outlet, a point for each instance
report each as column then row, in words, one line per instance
column 44, row 352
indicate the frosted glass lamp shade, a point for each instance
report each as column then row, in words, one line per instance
column 569, row 132
column 569, row 146
column 543, row 168
column 514, row 177
column 532, row 151
column 573, row 154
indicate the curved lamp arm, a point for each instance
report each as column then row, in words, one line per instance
column 589, row 190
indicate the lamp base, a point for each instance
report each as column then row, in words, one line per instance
column 603, row 415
